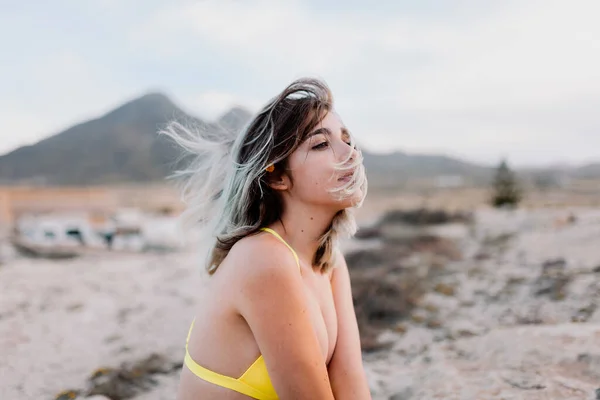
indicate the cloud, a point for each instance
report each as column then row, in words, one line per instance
column 476, row 79
column 60, row 90
column 20, row 127
column 212, row 104
column 505, row 77
column 275, row 37
column 538, row 55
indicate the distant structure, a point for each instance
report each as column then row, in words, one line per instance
column 98, row 202
column 49, row 230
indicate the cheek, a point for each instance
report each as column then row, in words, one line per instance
column 320, row 178
column 313, row 175
column 313, row 180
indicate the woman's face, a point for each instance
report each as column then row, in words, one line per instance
column 313, row 167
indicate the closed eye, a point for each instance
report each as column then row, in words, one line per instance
column 325, row 144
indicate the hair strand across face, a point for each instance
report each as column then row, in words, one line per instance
column 226, row 183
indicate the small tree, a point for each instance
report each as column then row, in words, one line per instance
column 506, row 189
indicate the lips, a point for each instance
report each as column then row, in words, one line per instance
column 346, row 177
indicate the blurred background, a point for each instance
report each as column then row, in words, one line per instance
column 476, row 267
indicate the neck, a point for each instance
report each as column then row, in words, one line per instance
column 303, row 227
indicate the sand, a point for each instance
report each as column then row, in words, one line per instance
column 62, row 320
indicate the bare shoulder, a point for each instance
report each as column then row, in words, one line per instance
column 271, row 297
column 262, row 256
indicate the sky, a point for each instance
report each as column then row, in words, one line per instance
column 480, row 80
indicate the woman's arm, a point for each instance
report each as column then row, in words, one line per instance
column 273, row 302
column 346, row 371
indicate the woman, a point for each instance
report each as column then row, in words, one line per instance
column 276, row 320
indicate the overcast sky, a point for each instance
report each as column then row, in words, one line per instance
column 474, row 79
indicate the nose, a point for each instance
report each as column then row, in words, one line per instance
column 353, row 152
column 347, row 155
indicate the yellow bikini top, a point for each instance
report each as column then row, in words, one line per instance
column 255, row 382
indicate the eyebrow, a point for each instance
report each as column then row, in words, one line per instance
column 326, row 131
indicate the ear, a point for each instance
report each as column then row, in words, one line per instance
column 279, row 181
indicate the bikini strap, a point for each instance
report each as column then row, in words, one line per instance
column 284, row 242
column 239, row 385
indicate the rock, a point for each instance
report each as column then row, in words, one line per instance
column 400, row 328
column 364, row 258
column 388, row 338
column 375, row 381
column 414, row 342
column 497, row 242
column 551, row 267
column 584, row 313
column 422, row 216
column 591, row 363
column 523, row 379
column 370, row 342
column 402, row 388
column 434, row 324
column 445, row 289
column 432, row 308
column 385, row 289
column 464, row 328
column 129, row 380
column 67, row 395
column 437, row 303
column 418, row 316
column 598, row 394
column 74, row 307
column 407, row 394
column 553, row 280
column 368, row 233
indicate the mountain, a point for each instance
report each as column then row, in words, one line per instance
column 386, row 170
column 557, row 175
column 590, row 171
column 234, row 119
column 123, row 146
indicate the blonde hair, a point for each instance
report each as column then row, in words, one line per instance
column 225, row 184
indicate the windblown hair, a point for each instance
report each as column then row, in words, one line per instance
column 227, row 188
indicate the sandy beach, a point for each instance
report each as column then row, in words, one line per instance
column 521, row 320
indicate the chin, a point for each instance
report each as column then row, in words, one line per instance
column 353, row 201
column 357, row 200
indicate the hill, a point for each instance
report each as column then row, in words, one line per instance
column 123, row 146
